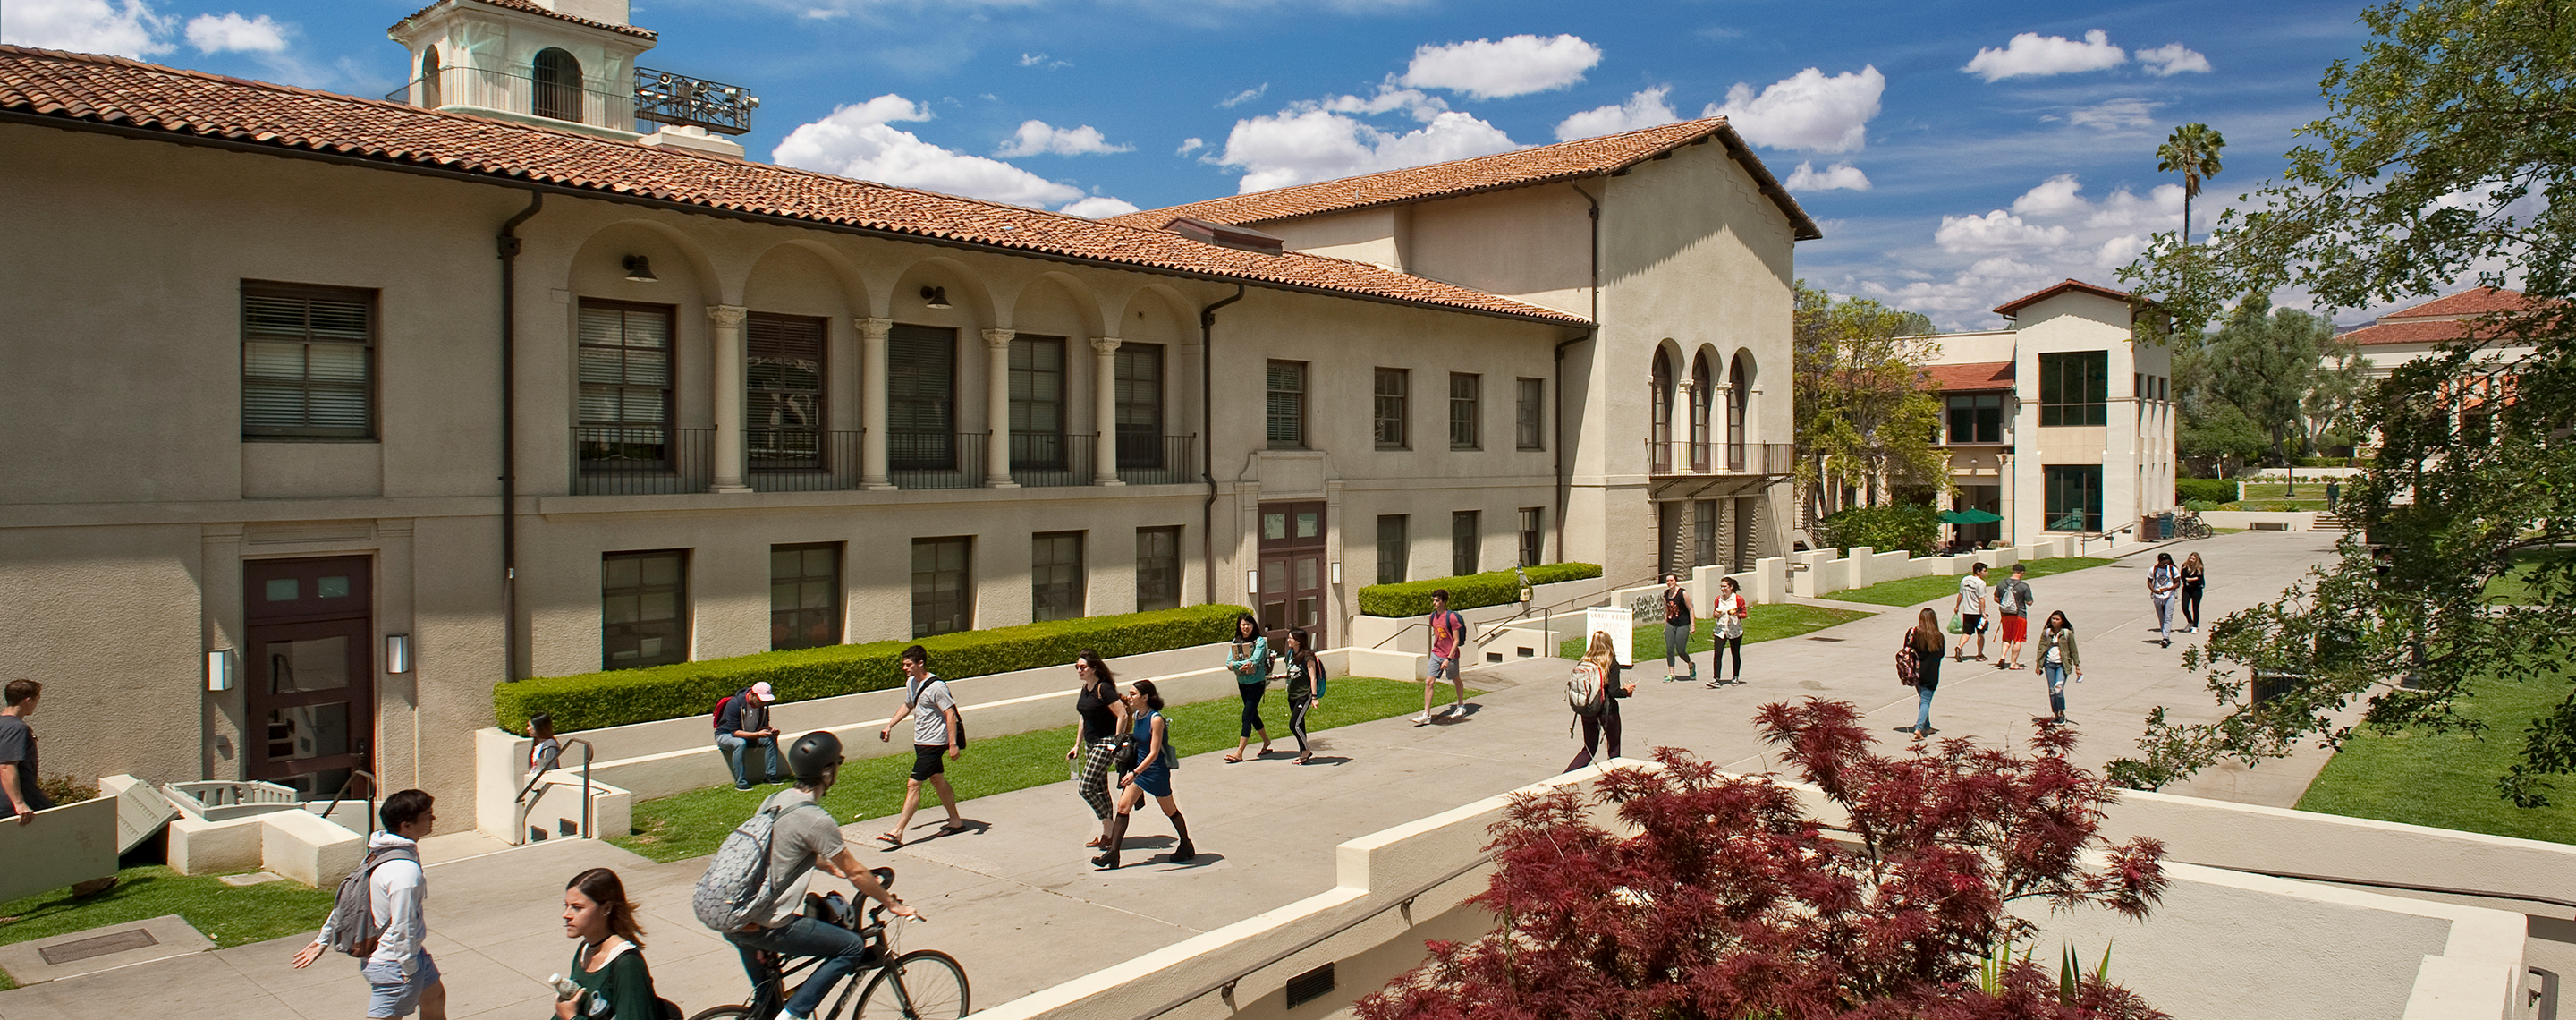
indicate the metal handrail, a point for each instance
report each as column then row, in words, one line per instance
column 336, row 798
column 1526, row 610
column 519, row 828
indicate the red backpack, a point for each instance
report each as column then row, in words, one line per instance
column 715, row 719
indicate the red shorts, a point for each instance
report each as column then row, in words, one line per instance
column 2016, row 628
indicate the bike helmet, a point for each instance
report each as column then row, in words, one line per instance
column 811, row 754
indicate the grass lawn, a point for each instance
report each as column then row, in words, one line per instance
column 2310, row 494
column 229, row 916
column 2448, row 779
column 691, row 824
column 1911, row 590
column 1768, row 623
column 2513, row 587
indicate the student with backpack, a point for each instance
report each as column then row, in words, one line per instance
column 935, row 732
column 2012, row 603
column 1593, row 693
column 1146, row 771
column 742, row 726
column 756, row 882
column 1448, row 634
column 1305, row 687
column 378, row 916
column 1730, row 610
column 1677, row 628
column 1249, row 661
column 608, row 978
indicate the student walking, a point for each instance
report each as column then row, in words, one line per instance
column 1677, row 628
column 2056, row 660
column 18, row 751
column 1151, row 776
column 1305, row 688
column 2163, row 583
column 742, row 726
column 2012, row 603
column 1969, row 605
column 543, row 747
column 1926, row 642
column 1448, row 632
column 800, row 843
column 608, row 967
column 2194, row 575
column 400, row 975
column 1095, row 742
column 1730, row 611
column 1600, row 665
column 1250, row 663
column 934, row 733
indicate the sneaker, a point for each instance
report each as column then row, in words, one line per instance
column 1454, row 712
column 785, row 1015
column 1422, row 720
column 742, row 786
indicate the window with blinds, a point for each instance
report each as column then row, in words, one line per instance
column 1140, row 405
column 783, row 403
column 308, row 362
column 1529, row 414
column 1055, row 576
column 942, row 593
column 1466, row 400
column 1037, row 402
column 1287, row 404
column 921, row 398
column 643, row 608
column 1394, row 391
column 625, row 375
column 1158, row 568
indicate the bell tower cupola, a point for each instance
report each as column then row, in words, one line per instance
column 567, row 64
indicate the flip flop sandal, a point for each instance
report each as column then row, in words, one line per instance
column 953, row 828
column 1233, row 759
column 889, row 839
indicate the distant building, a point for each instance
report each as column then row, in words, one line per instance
column 2424, row 330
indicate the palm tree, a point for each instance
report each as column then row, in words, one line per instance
column 2193, row 150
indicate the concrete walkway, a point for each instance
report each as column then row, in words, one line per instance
column 1017, row 903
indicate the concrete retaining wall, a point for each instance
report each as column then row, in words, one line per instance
column 2267, row 520
column 300, row 845
column 1413, row 633
column 58, row 847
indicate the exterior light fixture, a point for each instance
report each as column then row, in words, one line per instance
column 1337, row 572
column 935, row 297
column 220, row 667
column 1252, row 583
column 640, row 269
column 397, row 654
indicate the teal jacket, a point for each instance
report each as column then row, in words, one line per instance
column 1253, row 668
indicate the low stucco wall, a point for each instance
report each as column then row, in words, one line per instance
column 1413, row 633
column 60, row 846
column 300, row 845
column 1826, row 571
column 2285, row 520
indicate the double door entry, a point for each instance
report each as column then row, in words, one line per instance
column 309, row 664
column 1293, row 570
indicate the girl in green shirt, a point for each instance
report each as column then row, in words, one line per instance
column 608, row 970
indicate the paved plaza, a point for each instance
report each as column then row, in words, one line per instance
column 1016, row 900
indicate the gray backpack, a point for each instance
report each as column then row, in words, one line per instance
column 737, row 886
column 353, row 918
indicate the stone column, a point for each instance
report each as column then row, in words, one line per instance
column 729, row 397
column 1104, row 410
column 997, row 409
column 872, row 403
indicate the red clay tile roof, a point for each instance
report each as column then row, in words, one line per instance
column 1968, row 378
column 2008, row 308
column 530, row 7
column 133, row 98
column 2440, row 320
column 1546, row 164
column 2474, row 301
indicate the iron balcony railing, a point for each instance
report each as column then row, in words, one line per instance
column 1148, row 459
column 1050, row 459
column 588, row 101
column 784, row 461
column 1721, row 458
column 936, row 460
column 666, row 98
column 641, row 460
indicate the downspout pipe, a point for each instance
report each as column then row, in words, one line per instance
column 1207, row 436
column 1565, row 483
column 508, row 242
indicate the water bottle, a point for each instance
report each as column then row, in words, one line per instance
column 564, row 989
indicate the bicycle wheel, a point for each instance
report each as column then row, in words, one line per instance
column 924, row 984
column 725, row 1013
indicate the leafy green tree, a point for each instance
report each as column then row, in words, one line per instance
column 2266, row 364
column 2445, row 152
column 2192, row 151
column 1863, row 418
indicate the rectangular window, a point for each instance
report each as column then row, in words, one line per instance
column 1533, row 538
column 643, row 608
column 625, row 366
column 1977, row 418
column 1158, row 569
column 1394, row 393
column 921, row 398
column 804, row 595
column 942, row 592
column 308, row 361
column 1140, row 405
column 1463, row 539
column 1464, row 390
column 1037, row 402
column 1392, row 549
column 1287, row 404
column 1704, row 532
column 2075, row 388
column 2074, row 497
column 1055, row 576
column 782, row 411
column 1529, row 414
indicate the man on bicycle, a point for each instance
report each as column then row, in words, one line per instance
column 802, row 841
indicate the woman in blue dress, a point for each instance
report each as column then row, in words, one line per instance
column 1151, row 774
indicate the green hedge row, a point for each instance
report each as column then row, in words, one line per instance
column 615, row 698
column 1491, row 588
column 2205, row 490
column 1913, row 527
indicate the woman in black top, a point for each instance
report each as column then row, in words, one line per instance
column 1095, row 741
column 1305, row 688
column 1926, row 642
column 2192, row 577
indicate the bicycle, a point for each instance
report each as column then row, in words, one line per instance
column 924, row 983
column 2191, row 527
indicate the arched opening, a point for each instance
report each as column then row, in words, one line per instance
column 1660, row 434
column 1703, row 388
column 1739, row 389
column 429, row 90
column 558, row 85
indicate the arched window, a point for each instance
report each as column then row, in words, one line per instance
column 429, row 90
column 1703, row 389
column 1739, row 390
column 558, row 81
column 1660, row 435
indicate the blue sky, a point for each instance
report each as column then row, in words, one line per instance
column 1957, row 154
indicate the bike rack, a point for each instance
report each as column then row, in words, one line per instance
column 521, row 804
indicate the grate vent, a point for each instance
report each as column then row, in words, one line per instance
column 1310, row 986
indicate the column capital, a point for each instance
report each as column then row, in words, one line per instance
column 1105, row 344
column 725, row 315
column 874, row 328
column 998, row 338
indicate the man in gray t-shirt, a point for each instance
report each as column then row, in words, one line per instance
column 934, row 735
column 18, row 752
column 803, row 839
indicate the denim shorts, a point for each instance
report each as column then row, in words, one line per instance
column 389, row 994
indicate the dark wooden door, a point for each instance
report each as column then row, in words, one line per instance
column 1293, row 569
column 310, row 667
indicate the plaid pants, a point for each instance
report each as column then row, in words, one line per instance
column 1094, row 782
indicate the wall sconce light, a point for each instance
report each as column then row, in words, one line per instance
column 397, row 654
column 1252, row 583
column 640, row 269
column 1337, row 572
column 935, row 297
column 220, row 667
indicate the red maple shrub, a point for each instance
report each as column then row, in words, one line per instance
column 1733, row 901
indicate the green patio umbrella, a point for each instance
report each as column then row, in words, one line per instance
column 1969, row 517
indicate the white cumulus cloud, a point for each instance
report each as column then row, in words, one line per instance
column 86, row 26
column 1510, row 66
column 1098, row 207
column 1806, row 111
column 1036, row 137
column 2171, row 59
column 1996, row 231
column 2051, row 232
column 1309, row 143
column 230, row 32
column 2116, row 115
column 2033, row 54
column 1840, row 176
column 1643, row 110
column 858, row 140
column 1245, row 96
column 1190, row 145
column 2055, row 196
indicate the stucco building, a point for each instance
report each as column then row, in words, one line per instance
column 328, row 413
